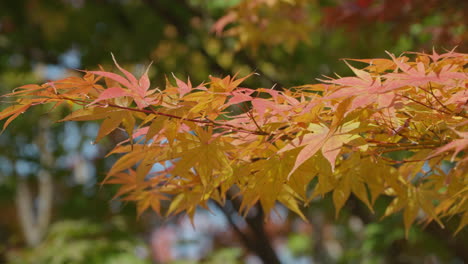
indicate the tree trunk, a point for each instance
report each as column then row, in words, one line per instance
column 256, row 240
column 35, row 212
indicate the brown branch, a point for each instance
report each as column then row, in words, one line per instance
column 250, row 115
column 402, row 161
column 261, row 243
column 425, row 105
column 245, row 239
column 152, row 111
column 391, row 143
column 408, row 148
column 441, row 104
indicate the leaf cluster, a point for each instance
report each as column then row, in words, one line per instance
column 192, row 144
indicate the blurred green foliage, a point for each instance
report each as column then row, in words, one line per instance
column 225, row 256
column 82, row 241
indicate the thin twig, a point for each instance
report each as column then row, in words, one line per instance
column 425, row 105
column 152, row 111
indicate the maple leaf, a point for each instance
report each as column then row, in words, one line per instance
column 110, row 123
column 460, row 98
column 13, row 112
column 227, row 84
column 377, row 65
column 185, row 88
column 411, row 201
column 456, row 145
column 417, row 75
column 136, row 89
column 149, row 199
column 436, row 57
column 349, row 183
column 364, row 90
column 363, row 79
column 240, row 96
column 329, row 141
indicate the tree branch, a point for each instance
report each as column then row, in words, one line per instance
column 261, row 242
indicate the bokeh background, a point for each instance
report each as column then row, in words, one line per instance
column 52, row 207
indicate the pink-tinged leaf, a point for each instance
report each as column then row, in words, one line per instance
column 447, row 74
column 260, row 105
column 184, row 88
column 316, row 141
column 141, row 103
column 363, row 98
column 139, row 88
column 363, row 75
column 362, row 101
column 348, row 81
column 144, row 81
column 140, row 132
column 110, row 93
column 291, row 100
column 460, row 97
column 271, row 92
column 457, row 146
column 345, row 92
column 417, row 76
column 385, row 100
column 239, row 98
column 331, row 149
column 363, row 80
column 183, row 128
column 400, row 62
column 435, row 56
column 114, row 77
column 129, row 76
